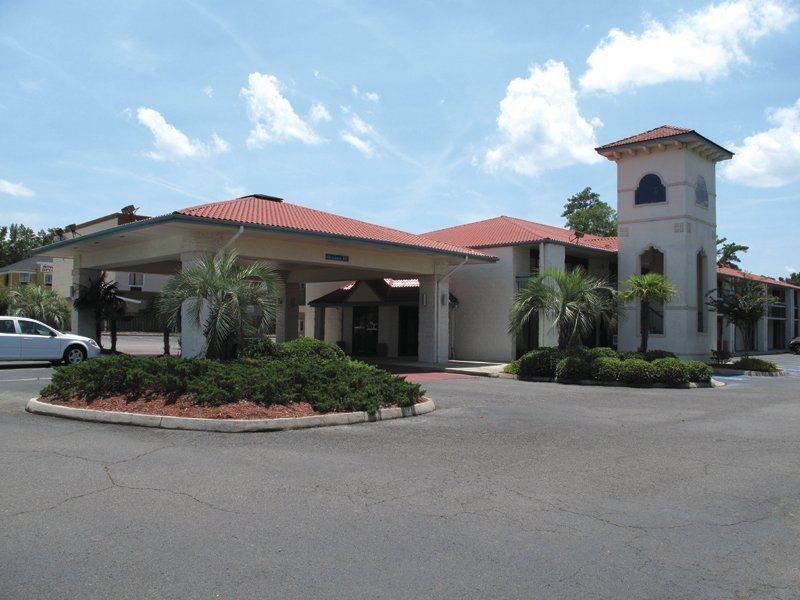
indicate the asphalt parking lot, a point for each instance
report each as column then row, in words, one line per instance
column 509, row 490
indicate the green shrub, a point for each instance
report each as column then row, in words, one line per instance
column 635, row 371
column 309, row 347
column 631, row 355
column 698, row 371
column 670, row 371
column 755, row 364
column 540, row 362
column 606, row 368
column 592, row 354
column 300, row 374
column 573, row 368
column 512, row 367
column 262, row 348
column 652, row 355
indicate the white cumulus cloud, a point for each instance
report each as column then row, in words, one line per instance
column 770, row 158
column 373, row 97
column 360, row 135
column 318, row 113
column 15, row 189
column 208, row 91
column 171, row 143
column 272, row 115
column 697, row 46
column 540, row 124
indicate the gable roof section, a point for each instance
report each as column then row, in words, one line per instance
column 738, row 274
column 274, row 213
column 510, row 231
column 388, row 291
column 667, row 133
column 663, row 131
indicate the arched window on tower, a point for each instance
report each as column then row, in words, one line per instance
column 652, row 261
column 650, row 190
column 701, row 291
column 701, row 191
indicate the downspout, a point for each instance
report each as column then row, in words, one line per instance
column 230, row 241
column 444, row 277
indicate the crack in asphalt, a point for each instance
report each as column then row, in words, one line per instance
column 113, row 482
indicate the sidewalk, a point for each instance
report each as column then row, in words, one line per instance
column 463, row 367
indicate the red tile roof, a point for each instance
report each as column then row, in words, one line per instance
column 510, row 231
column 274, row 212
column 728, row 272
column 653, row 134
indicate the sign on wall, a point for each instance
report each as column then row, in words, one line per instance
column 337, row 257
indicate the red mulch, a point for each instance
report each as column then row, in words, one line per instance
column 183, row 407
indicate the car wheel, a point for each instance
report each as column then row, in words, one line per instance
column 74, row 355
column 796, row 348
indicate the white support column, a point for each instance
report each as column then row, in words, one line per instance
column 551, row 256
column 434, row 319
column 82, row 321
column 286, row 323
column 193, row 341
column 762, row 335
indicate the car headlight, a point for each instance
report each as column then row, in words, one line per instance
column 93, row 343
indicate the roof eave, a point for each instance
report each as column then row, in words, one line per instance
column 178, row 217
column 613, row 152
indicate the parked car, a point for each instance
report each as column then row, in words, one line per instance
column 26, row 339
column 794, row 345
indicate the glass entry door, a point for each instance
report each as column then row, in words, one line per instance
column 365, row 330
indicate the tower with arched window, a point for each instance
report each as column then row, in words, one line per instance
column 667, row 222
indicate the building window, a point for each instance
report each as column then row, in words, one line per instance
column 701, row 292
column 571, row 262
column 48, row 279
column 652, row 261
column 24, row 278
column 651, row 190
column 701, row 191
column 136, row 281
column 533, row 260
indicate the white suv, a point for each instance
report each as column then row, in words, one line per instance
column 26, row 339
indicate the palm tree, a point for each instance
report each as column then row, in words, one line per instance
column 38, row 302
column 101, row 297
column 742, row 303
column 218, row 292
column 152, row 310
column 576, row 300
column 648, row 289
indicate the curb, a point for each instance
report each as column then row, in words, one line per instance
column 723, row 372
column 38, row 407
column 591, row 382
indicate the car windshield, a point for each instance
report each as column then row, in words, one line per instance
column 34, row 328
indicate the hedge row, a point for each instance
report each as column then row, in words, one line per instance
column 755, row 364
column 605, row 364
column 300, row 370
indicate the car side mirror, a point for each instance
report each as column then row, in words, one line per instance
column 52, row 334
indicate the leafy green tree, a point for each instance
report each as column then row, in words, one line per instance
column 38, row 302
column 18, row 241
column 742, row 303
column 648, row 289
column 728, row 253
column 576, row 301
column 586, row 212
column 102, row 298
column 794, row 278
column 217, row 293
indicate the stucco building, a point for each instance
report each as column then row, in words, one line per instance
column 447, row 293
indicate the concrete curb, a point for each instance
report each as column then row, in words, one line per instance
column 723, row 372
column 38, row 407
column 591, row 382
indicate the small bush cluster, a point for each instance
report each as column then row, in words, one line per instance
column 302, row 370
column 605, row 364
column 755, row 364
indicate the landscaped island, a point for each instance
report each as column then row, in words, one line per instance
column 298, row 378
column 607, row 365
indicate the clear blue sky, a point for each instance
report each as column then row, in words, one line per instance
column 416, row 115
